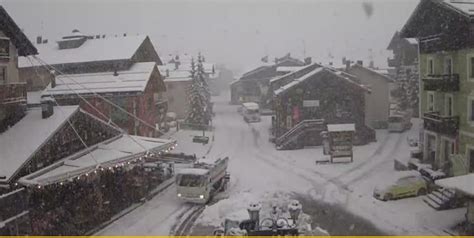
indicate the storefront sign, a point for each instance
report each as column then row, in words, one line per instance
column 311, row 103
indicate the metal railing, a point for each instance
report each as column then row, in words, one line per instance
column 300, row 127
column 12, row 93
column 441, row 82
column 434, row 121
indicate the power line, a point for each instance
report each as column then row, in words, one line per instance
column 93, row 107
column 62, row 112
column 96, row 94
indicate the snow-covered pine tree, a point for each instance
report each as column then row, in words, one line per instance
column 201, row 75
column 197, row 101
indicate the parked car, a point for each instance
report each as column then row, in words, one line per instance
column 402, row 184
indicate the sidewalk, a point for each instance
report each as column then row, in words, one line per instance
column 164, row 185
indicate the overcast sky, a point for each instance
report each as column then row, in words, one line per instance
column 233, row 32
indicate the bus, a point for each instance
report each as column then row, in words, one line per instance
column 251, row 112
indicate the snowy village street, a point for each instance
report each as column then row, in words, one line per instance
column 260, row 172
column 234, row 118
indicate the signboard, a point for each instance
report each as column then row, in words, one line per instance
column 310, row 103
column 340, row 144
column 4, row 48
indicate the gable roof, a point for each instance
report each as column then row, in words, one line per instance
column 373, row 71
column 132, row 80
column 18, row 38
column 318, row 71
column 18, row 145
column 117, row 150
column 285, row 61
column 462, row 8
column 92, row 50
column 465, row 7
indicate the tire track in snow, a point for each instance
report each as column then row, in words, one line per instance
column 378, row 164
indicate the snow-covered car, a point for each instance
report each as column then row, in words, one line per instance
column 401, row 184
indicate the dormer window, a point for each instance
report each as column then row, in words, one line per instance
column 4, row 48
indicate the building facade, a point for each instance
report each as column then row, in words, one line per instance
column 313, row 97
column 446, row 89
column 377, row 102
column 255, row 84
column 138, row 90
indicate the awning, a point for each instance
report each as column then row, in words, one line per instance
column 463, row 183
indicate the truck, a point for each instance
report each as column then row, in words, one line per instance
column 251, row 112
column 202, row 181
column 399, row 121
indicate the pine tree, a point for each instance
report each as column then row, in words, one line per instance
column 205, row 90
column 197, row 99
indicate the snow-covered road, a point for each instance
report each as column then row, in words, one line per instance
column 259, row 171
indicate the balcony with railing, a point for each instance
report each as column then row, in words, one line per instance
column 393, row 62
column 448, row 125
column 441, row 82
column 12, row 93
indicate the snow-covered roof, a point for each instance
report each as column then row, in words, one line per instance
column 341, row 127
column 250, row 105
column 463, row 6
column 288, row 68
column 169, row 73
column 193, row 171
column 23, row 139
column 117, row 150
column 380, row 72
column 103, row 49
column 33, row 97
column 412, row 41
column 298, row 80
column 134, row 79
column 463, row 183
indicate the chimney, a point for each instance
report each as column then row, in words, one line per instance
column 97, row 36
column 115, row 72
column 47, row 108
column 124, row 34
column 307, row 61
column 45, row 41
column 53, row 78
column 360, row 62
column 103, row 36
column 39, row 40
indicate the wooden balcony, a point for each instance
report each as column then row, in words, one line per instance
column 433, row 121
column 393, row 62
column 441, row 82
column 12, row 93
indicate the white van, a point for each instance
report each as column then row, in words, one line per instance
column 251, row 112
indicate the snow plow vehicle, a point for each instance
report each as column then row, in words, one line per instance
column 201, row 182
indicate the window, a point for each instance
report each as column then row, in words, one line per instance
column 431, row 102
column 448, row 65
column 3, row 75
column 4, row 48
column 471, row 161
column 470, row 109
column 449, row 105
column 430, row 70
column 470, row 67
